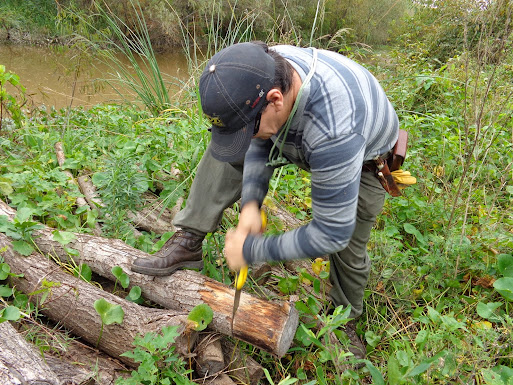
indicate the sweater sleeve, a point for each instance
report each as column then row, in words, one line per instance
column 256, row 175
column 336, row 170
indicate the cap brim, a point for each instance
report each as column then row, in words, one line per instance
column 231, row 147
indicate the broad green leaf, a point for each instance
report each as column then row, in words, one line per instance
column 117, row 271
column 377, row 377
column 123, row 278
column 372, row 338
column 109, row 312
column 5, row 187
column 200, row 317
column 324, row 274
column 100, row 179
column 10, row 313
column 501, row 374
column 410, row 229
column 21, row 301
column 134, row 294
column 4, row 223
column 505, row 287
column 393, row 373
column 71, row 252
column 426, row 364
column 302, row 335
column 5, row 270
column 5, row 291
column 402, row 358
column 313, row 305
column 169, row 334
column 320, row 375
column 487, row 310
column 23, row 214
column 91, row 218
column 22, row 247
column 288, row 285
column 84, row 272
column 505, row 265
column 422, row 338
column 301, row 306
column 317, row 286
column 70, row 163
column 63, row 237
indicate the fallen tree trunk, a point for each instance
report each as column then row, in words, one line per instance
column 268, row 325
column 19, row 361
column 70, row 374
column 103, row 368
column 70, row 301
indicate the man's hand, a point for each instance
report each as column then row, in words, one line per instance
column 250, row 222
column 250, row 219
column 233, row 244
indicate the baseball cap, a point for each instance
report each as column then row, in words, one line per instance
column 233, row 89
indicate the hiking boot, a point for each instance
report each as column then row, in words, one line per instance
column 182, row 250
column 356, row 346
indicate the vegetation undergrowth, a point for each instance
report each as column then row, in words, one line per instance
column 438, row 308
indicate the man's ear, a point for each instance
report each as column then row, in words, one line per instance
column 275, row 97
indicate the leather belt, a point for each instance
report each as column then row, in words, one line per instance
column 383, row 165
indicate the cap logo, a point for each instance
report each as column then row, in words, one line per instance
column 215, row 120
column 260, row 95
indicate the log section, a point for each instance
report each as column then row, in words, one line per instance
column 71, row 302
column 268, row 325
column 19, row 361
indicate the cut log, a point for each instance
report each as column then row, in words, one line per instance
column 221, row 379
column 19, row 361
column 241, row 367
column 209, row 355
column 268, row 325
column 70, row 301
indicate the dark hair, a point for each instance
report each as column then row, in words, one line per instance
column 283, row 71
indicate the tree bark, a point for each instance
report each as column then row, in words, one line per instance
column 70, row 374
column 70, row 301
column 241, row 367
column 103, row 368
column 19, row 361
column 271, row 326
column 209, row 355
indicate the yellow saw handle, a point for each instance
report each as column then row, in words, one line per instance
column 240, row 278
column 242, row 275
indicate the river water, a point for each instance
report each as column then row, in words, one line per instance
column 59, row 77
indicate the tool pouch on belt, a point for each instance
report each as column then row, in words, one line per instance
column 385, row 166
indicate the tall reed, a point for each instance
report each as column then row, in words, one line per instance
column 142, row 76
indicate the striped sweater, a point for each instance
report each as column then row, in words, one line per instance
column 344, row 118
